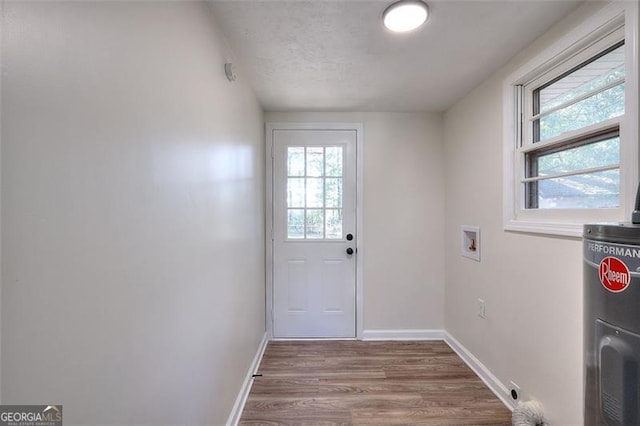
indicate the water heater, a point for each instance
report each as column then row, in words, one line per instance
column 612, row 324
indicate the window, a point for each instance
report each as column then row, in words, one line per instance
column 314, row 192
column 572, row 139
column 572, row 146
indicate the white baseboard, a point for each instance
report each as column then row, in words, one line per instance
column 408, row 334
column 492, row 382
column 236, row 412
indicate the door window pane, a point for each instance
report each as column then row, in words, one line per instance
column 295, row 223
column 315, row 224
column 333, row 161
column 334, row 192
column 314, row 192
column 295, row 192
column 334, row 224
column 295, row 161
column 315, row 161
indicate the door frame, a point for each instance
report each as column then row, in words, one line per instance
column 270, row 128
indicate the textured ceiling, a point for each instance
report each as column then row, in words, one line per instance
column 335, row 55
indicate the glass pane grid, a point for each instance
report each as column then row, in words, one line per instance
column 314, row 193
column 582, row 186
column 596, row 109
column 590, row 190
column 590, row 76
column 584, row 172
column 600, row 154
column 589, row 94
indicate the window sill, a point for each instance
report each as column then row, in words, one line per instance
column 572, row 230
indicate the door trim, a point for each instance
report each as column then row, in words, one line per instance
column 269, row 129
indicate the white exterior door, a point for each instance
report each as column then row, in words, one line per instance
column 314, row 233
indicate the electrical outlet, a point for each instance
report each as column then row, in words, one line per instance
column 482, row 309
column 514, row 390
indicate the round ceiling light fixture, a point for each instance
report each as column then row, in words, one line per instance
column 405, row 15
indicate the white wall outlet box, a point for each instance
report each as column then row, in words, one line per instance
column 471, row 242
column 482, row 309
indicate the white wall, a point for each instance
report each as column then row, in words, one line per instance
column 532, row 284
column 132, row 213
column 403, row 216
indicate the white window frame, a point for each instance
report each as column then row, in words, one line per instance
column 583, row 42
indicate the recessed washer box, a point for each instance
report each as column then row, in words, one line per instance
column 471, row 242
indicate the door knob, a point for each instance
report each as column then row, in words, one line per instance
column 349, row 250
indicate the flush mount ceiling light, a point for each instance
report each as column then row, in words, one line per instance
column 405, row 15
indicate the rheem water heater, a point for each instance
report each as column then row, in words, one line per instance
column 612, row 322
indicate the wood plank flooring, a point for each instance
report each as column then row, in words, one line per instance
column 355, row 382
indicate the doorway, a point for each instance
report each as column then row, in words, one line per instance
column 313, row 257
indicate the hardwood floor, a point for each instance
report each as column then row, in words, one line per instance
column 354, row 382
